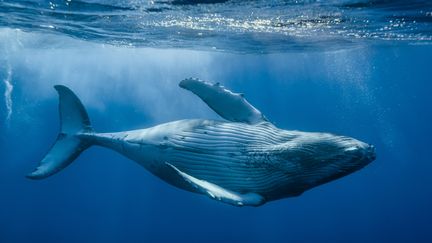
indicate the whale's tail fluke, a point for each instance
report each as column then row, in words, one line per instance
column 68, row 146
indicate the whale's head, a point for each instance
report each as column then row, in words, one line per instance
column 318, row 158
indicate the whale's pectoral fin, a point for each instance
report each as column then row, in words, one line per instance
column 231, row 106
column 221, row 194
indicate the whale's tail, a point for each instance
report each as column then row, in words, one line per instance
column 68, row 146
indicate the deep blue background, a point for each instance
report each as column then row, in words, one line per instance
column 381, row 95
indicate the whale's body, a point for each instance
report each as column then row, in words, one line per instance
column 244, row 161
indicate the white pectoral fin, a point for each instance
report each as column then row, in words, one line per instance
column 221, row 194
column 231, row 106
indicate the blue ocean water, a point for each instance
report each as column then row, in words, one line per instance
column 355, row 68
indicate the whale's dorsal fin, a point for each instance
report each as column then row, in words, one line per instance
column 221, row 194
column 231, row 106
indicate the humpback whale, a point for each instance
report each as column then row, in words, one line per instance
column 243, row 160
